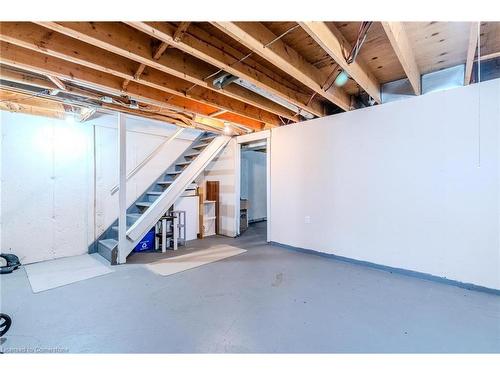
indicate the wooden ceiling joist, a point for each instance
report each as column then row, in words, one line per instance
column 120, row 39
column 471, row 52
column 334, row 43
column 24, row 103
column 15, row 76
column 25, row 59
column 262, row 41
column 228, row 59
column 14, row 101
column 402, row 47
column 35, row 38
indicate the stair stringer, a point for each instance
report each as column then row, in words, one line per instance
column 161, row 205
column 92, row 248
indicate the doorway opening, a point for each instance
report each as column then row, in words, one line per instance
column 253, row 214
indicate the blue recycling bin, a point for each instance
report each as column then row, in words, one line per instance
column 147, row 243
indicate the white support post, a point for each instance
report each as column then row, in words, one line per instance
column 122, row 194
column 164, row 235
column 176, row 229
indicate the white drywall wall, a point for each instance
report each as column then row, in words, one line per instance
column 253, row 183
column 1, row 145
column 47, row 192
column 45, row 187
column 398, row 184
column 223, row 169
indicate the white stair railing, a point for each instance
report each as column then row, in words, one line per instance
column 154, row 212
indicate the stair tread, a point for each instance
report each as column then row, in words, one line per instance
column 155, row 192
column 135, row 216
column 174, row 172
column 110, row 243
column 144, row 204
column 201, row 145
column 184, row 163
column 210, row 137
column 192, row 154
column 164, row 182
column 115, row 227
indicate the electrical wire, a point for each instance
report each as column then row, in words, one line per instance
column 363, row 31
column 351, row 57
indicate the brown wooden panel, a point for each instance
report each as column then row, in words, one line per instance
column 213, row 195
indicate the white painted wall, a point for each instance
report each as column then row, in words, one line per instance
column 223, row 169
column 45, row 187
column 1, row 152
column 398, row 184
column 253, row 183
column 48, row 191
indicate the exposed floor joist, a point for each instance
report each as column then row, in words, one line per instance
column 471, row 52
column 22, row 103
column 22, row 58
column 45, row 105
column 402, row 47
column 226, row 58
column 259, row 39
column 127, row 42
column 334, row 43
column 42, row 40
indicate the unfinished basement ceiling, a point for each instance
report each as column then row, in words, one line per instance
column 285, row 71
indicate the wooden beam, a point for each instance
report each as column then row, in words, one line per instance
column 256, row 37
column 402, row 47
column 86, row 113
column 160, row 50
column 56, row 81
column 214, row 51
column 137, row 75
column 217, row 113
column 181, row 30
column 333, row 42
column 179, row 33
column 52, row 107
column 489, row 56
column 34, row 37
column 25, row 103
column 139, row 71
column 22, row 58
column 27, row 79
column 471, row 52
column 119, row 39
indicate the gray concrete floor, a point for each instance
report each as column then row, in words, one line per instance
column 266, row 300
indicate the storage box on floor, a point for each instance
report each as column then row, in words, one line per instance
column 147, row 243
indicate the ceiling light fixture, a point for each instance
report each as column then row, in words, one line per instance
column 341, row 79
column 227, row 128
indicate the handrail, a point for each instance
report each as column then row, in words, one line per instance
column 134, row 171
column 154, row 212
